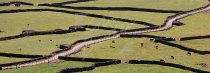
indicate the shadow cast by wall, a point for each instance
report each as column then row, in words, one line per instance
column 167, row 64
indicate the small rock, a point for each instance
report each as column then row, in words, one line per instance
column 162, row 60
column 17, row 4
column 178, row 23
column 202, row 64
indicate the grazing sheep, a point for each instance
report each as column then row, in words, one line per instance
column 126, row 62
column 156, row 47
column 20, row 49
column 151, row 40
column 113, row 41
column 1, row 31
column 172, row 57
column 112, row 46
column 189, row 53
column 142, row 44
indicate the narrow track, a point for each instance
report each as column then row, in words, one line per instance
column 168, row 23
column 76, row 47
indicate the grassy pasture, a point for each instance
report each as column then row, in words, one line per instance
column 195, row 25
column 130, row 49
column 9, row 60
column 126, row 49
column 40, row 20
column 200, row 44
column 127, row 68
column 154, row 18
column 31, row 45
column 153, row 4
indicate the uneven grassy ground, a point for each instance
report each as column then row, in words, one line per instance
column 157, row 4
column 126, row 49
column 31, row 45
column 40, row 20
column 199, row 44
column 131, row 50
column 154, row 18
column 127, row 68
column 9, row 60
column 195, row 25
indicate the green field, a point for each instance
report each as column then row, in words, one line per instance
column 9, row 60
column 157, row 4
column 199, row 26
column 131, row 50
column 125, row 48
column 124, row 68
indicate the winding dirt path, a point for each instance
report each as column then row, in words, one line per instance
column 169, row 22
column 77, row 47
